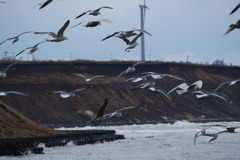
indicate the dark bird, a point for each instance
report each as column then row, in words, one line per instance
column 95, row 12
column 99, row 117
column 232, row 27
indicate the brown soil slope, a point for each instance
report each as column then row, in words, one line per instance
column 15, row 124
column 39, row 78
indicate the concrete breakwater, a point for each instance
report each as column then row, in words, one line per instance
column 22, row 146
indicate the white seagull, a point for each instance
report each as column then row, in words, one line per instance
column 65, row 94
column 16, row 38
column 88, row 79
column 93, row 23
column 230, row 83
column 99, row 117
column 184, row 88
column 131, row 44
column 95, row 12
column 126, row 34
column 31, row 49
column 232, row 27
column 4, row 93
column 59, row 36
column 147, row 85
column 203, row 94
column 137, row 79
column 236, row 8
column 3, row 73
column 129, row 69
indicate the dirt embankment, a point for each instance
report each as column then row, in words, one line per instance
column 40, row 78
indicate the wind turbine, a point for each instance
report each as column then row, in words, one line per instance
column 142, row 16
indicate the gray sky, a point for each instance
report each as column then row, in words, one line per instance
column 180, row 28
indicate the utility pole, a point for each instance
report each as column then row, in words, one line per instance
column 142, row 18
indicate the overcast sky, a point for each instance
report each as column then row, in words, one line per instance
column 180, row 29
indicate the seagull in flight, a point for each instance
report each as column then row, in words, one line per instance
column 95, row 12
column 126, row 34
column 235, row 9
column 203, row 132
column 16, row 38
column 3, row 73
column 31, row 49
column 59, row 36
column 204, row 94
column 65, row 94
column 184, row 88
column 4, row 93
column 131, row 44
column 229, row 83
column 93, row 23
column 129, row 69
column 88, row 79
column 232, row 27
column 99, row 117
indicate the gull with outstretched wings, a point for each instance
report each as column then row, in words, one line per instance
column 232, row 27
column 65, row 94
column 95, row 12
column 60, row 34
column 126, row 34
column 88, row 79
column 16, row 38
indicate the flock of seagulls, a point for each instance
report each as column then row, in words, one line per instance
column 149, row 85
column 59, row 36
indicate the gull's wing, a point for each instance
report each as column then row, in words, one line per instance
column 233, row 82
column 138, row 63
column 16, row 92
column 229, row 30
column 97, row 76
column 60, row 32
column 102, row 108
column 83, row 14
column 158, row 90
column 76, row 25
column 216, row 95
column 21, row 52
column 81, row 75
column 9, row 66
column 88, row 113
column 140, row 30
column 135, row 39
column 52, row 34
column 80, row 89
column 131, row 107
column 198, row 83
column 60, row 92
column 45, row 4
column 125, row 71
column 125, row 40
column 220, row 85
column 236, row 8
column 106, row 20
column 103, row 7
column 181, row 86
column 112, row 35
column 173, row 76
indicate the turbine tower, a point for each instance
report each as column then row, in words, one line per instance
column 142, row 16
